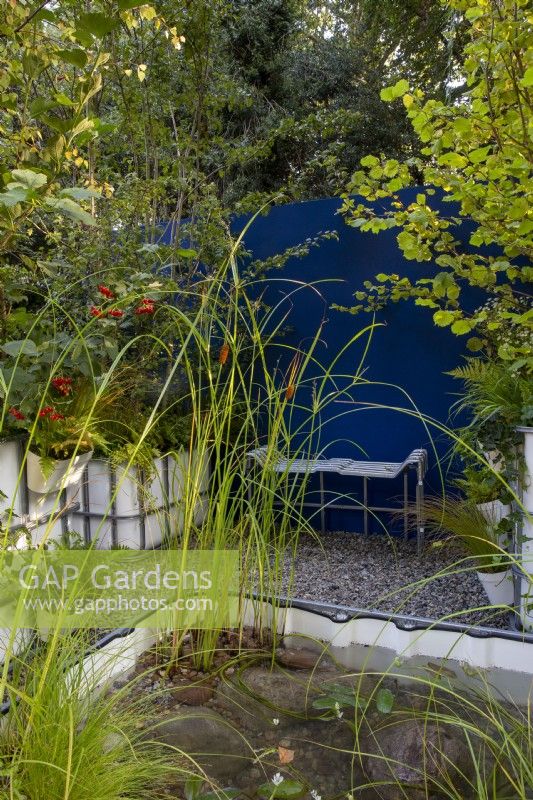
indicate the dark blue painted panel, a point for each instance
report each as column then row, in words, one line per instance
column 407, row 358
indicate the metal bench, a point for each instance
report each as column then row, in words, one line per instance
column 417, row 460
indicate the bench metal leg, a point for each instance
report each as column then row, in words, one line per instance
column 405, row 504
column 322, row 502
column 365, row 504
column 420, row 524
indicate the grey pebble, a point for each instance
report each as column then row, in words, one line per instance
column 372, row 572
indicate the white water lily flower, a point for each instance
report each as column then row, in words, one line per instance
column 338, row 711
column 277, row 779
column 275, row 721
column 314, row 794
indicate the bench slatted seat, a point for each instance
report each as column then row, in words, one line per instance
column 417, row 461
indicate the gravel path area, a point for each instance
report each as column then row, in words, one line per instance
column 372, row 572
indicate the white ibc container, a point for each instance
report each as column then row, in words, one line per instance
column 10, row 490
column 126, row 508
column 27, row 507
column 526, row 589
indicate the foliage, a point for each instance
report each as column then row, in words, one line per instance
column 122, row 116
column 477, row 153
column 56, row 317
column 311, row 73
column 194, row 789
column 340, row 697
column 60, row 741
column 479, row 484
column 281, row 788
column 498, row 402
column 47, row 83
column 64, row 417
column 463, row 519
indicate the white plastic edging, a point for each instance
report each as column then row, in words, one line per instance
column 115, row 660
column 349, row 640
column 47, row 515
column 66, row 472
column 489, row 652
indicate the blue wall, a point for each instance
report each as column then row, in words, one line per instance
column 409, row 352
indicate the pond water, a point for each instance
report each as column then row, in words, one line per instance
column 322, row 724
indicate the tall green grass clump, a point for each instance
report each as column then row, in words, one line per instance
column 64, row 739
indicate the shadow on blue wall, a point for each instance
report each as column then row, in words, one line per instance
column 408, row 354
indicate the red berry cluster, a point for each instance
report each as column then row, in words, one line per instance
column 147, row 306
column 51, row 413
column 16, row 413
column 63, row 385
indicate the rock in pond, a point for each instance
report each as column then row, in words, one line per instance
column 261, row 695
column 301, row 658
column 409, row 752
column 193, row 695
column 207, row 738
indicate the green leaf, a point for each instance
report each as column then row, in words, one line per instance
column 83, row 125
column 125, row 5
column 384, row 701
column 44, row 13
column 337, row 696
column 76, row 57
column 462, row 125
column 97, row 24
column 30, row 179
column 474, row 13
column 3, row 385
column 58, row 123
column 393, row 92
column 13, row 197
column 443, row 318
column 462, row 326
column 186, row 252
column 444, row 284
column 63, row 100
column 475, row 344
column 24, row 347
column 222, row 794
column 453, row 160
column 479, row 155
column 527, row 80
column 369, row 161
column 193, row 787
column 525, row 227
column 79, row 193
column 64, row 205
column 283, row 791
column 40, row 106
column 425, row 301
column 326, row 703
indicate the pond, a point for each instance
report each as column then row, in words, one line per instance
column 300, row 724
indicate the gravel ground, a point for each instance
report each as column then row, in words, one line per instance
column 372, row 572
